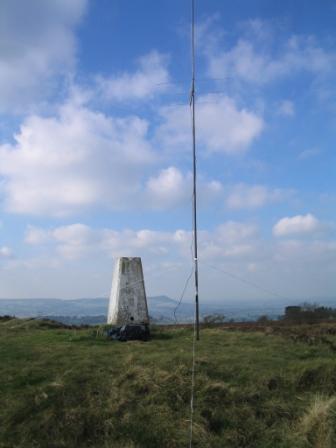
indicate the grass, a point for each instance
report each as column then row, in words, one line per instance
column 255, row 387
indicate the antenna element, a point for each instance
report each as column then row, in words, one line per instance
column 192, row 105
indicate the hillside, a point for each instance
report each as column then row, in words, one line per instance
column 161, row 308
column 256, row 386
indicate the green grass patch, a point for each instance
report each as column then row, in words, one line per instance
column 63, row 387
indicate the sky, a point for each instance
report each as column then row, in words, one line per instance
column 96, row 150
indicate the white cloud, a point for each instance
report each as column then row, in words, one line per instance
column 72, row 240
column 245, row 62
column 222, row 126
column 171, row 188
column 82, row 159
column 64, row 255
column 150, row 79
column 63, row 258
column 286, row 108
column 254, row 196
column 79, row 159
column 233, row 231
column 309, row 153
column 37, row 43
column 321, row 254
column 77, row 240
column 257, row 28
column 297, row 225
column 231, row 239
column 36, row 235
column 5, row 252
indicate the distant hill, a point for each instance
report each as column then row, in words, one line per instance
column 86, row 310
column 94, row 310
column 161, row 309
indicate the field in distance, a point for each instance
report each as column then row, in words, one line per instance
column 257, row 385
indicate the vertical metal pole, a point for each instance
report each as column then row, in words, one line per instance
column 192, row 103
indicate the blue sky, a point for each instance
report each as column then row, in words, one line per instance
column 95, row 147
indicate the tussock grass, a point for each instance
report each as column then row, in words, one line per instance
column 66, row 387
column 317, row 425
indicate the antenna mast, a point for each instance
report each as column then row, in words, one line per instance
column 192, row 105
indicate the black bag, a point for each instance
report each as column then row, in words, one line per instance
column 130, row 332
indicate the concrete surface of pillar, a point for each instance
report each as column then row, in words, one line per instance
column 128, row 303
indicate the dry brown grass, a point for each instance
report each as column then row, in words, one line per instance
column 318, row 423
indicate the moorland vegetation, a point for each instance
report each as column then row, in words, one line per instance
column 257, row 385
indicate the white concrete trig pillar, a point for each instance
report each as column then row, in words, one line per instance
column 128, row 303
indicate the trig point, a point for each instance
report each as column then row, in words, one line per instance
column 128, row 303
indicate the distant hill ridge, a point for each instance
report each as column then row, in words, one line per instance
column 161, row 308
